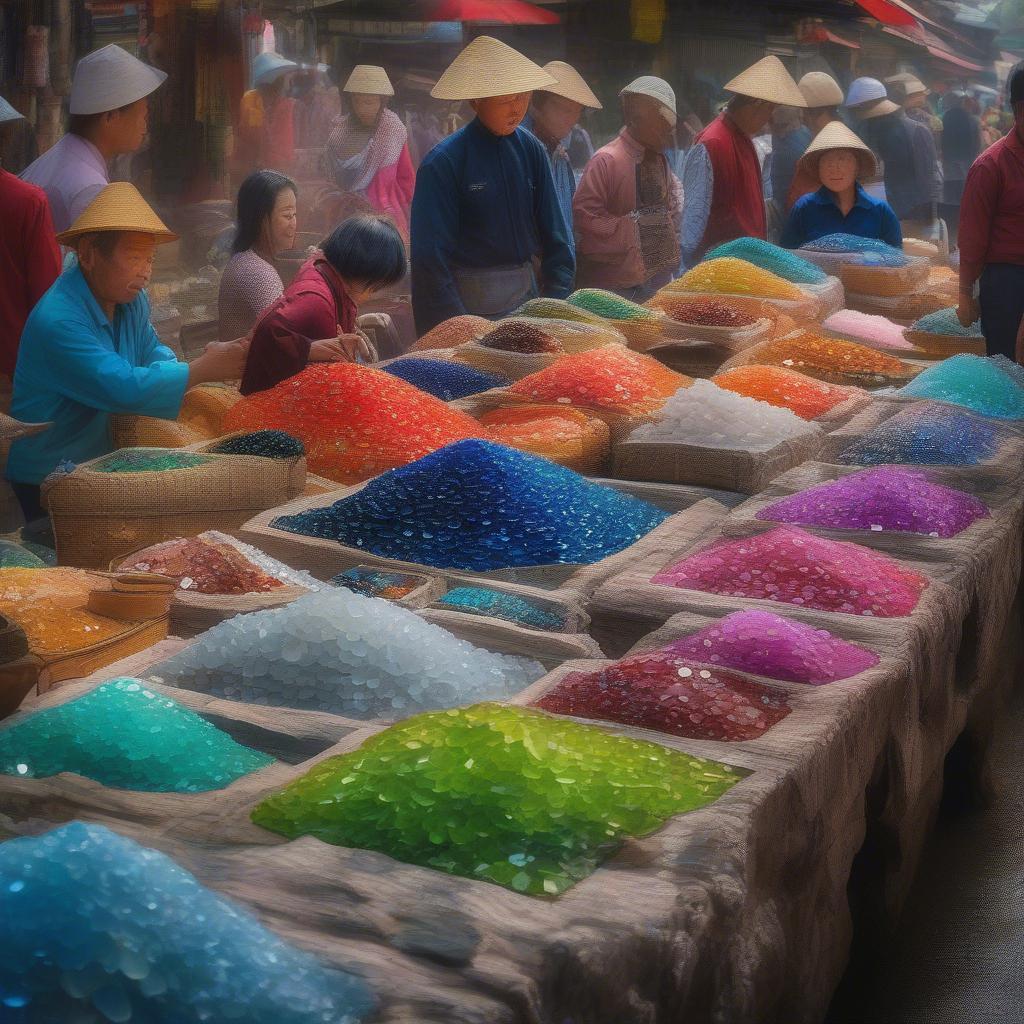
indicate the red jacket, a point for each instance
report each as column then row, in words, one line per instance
column 29, row 260
column 737, row 203
column 312, row 308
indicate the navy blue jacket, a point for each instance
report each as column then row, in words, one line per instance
column 816, row 215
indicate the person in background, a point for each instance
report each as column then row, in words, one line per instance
column 320, row 107
column 109, row 118
column 266, row 122
column 89, row 350
column 992, row 234
column 266, row 226
column 627, row 207
column 315, row 319
column 485, row 215
column 29, row 254
column 367, row 152
column 790, row 139
column 840, row 161
column 722, row 175
column 912, row 94
column 553, row 114
column 823, row 96
column 961, row 144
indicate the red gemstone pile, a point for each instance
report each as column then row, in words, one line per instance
column 515, row 336
column 710, row 314
column 671, row 694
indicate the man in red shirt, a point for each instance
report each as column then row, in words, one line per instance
column 992, row 234
column 29, row 254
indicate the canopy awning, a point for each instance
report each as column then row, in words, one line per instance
column 887, row 12
column 952, row 58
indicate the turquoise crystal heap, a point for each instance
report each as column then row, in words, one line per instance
column 781, row 262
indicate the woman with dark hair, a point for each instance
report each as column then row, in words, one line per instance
column 315, row 319
column 266, row 226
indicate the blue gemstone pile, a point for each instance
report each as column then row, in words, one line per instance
column 974, row 382
column 1012, row 370
column 499, row 605
column 945, row 321
column 781, row 262
column 445, row 379
column 481, row 506
column 99, row 929
column 392, row 586
column 926, row 434
column 842, row 242
column 268, row 444
column 124, row 735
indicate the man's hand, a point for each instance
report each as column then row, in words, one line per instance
column 967, row 311
column 221, row 360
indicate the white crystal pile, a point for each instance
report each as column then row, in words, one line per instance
column 337, row 651
column 707, row 415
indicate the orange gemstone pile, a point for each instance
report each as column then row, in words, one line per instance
column 787, row 389
column 832, row 360
column 563, row 435
column 459, row 330
column 612, row 378
column 730, row 276
column 356, row 422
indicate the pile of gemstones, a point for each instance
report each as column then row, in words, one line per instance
column 443, row 378
column 792, row 566
column 788, row 389
column 158, row 746
column 731, row 276
column 370, row 582
column 148, row 460
column 501, row 794
column 559, row 433
column 355, row 422
column 609, row 306
column 945, row 321
column 973, row 382
column 707, row 313
column 867, row 328
column 842, row 242
column 267, row 444
column 782, row 262
column 14, row 556
column 501, row 605
column 459, row 330
column 518, row 336
column 559, row 309
column 888, row 499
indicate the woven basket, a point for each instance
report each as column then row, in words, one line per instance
column 148, row 432
column 885, row 281
column 732, row 338
column 204, row 407
column 97, row 516
column 903, row 309
column 831, row 296
column 941, row 346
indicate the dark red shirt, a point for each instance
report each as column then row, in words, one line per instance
column 312, row 308
column 992, row 209
column 29, row 260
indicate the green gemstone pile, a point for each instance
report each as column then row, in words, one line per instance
column 14, row 556
column 504, row 794
column 124, row 735
column 148, row 460
column 609, row 305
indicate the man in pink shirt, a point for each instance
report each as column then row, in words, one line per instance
column 628, row 204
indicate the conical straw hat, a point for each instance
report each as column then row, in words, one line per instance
column 119, row 207
column 369, row 80
column 109, row 78
column 768, row 80
column 820, row 90
column 878, row 109
column 489, row 67
column 835, row 135
column 570, row 84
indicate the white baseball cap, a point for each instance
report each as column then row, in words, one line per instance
column 657, row 89
column 8, row 113
column 109, row 78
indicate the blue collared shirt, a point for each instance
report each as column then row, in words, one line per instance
column 816, row 215
column 75, row 368
column 561, row 173
column 483, row 201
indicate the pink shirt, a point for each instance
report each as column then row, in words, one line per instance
column 71, row 173
column 607, row 237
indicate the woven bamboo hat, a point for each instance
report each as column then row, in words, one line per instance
column 877, row 109
column 8, row 113
column 820, row 90
column 489, row 67
column 906, row 84
column 768, row 80
column 570, row 84
column 835, row 135
column 369, row 80
column 109, row 78
column 119, row 207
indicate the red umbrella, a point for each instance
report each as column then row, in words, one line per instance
column 888, row 12
column 505, row 12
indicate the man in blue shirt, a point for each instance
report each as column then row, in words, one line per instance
column 554, row 113
column 839, row 159
column 485, row 214
column 89, row 350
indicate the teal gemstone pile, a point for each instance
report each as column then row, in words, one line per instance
column 267, row 444
column 782, row 262
column 926, row 434
column 391, row 586
column 148, row 460
column 945, row 321
column 15, row 556
column 1012, row 370
column 499, row 605
column 124, row 735
column 974, row 382
column 841, row 242
column 481, row 506
column 496, row 793
column 96, row 929
column 444, row 378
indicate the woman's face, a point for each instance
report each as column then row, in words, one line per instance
column 838, row 170
column 365, row 107
column 283, row 222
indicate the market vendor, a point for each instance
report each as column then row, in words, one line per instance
column 722, row 179
column 109, row 117
column 823, row 96
column 840, row 161
column 266, row 117
column 487, row 230
column 315, row 319
column 89, row 350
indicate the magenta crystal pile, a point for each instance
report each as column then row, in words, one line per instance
column 766, row 644
column 792, row 566
column 890, row 498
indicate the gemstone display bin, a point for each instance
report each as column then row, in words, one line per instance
column 98, row 516
column 886, row 281
column 941, row 346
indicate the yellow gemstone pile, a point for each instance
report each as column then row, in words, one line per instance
column 730, row 276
